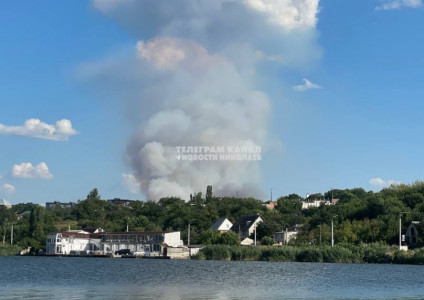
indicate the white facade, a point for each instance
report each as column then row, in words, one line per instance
column 151, row 243
column 284, row 237
column 315, row 203
column 253, row 226
column 81, row 242
column 71, row 243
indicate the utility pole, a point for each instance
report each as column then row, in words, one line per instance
column 188, row 234
column 400, row 228
column 320, row 235
column 271, row 194
column 286, row 238
column 332, row 230
column 11, row 235
column 188, row 237
column 255, row 234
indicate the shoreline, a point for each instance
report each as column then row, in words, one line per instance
column 375, row 253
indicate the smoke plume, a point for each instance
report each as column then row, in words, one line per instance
column 190, row 80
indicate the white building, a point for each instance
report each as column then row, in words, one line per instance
column 76, row 242
column 246, row 225
column 72, row 243
column 152, row 243
column 284, row 237
column 222, row 225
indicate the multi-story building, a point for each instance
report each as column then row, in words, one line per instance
column 59, row 204
column 71, row 242
column 152, row 243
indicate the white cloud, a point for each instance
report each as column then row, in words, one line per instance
column 381, row 183
column 131, row 183
column 308, row 85
column 28, row 171
column 288, row 14
column 398, row 4
column 35, row 128
column 8, row 188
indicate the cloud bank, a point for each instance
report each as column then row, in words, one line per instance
column 28, row 171
column 381, row 183
column 398, row 4
column 35, row 128
column 191, row 80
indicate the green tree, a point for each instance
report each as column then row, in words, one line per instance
column 94, row 194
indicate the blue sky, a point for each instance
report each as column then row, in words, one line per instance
column 359, row 127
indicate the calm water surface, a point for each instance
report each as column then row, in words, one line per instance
column 105, row 278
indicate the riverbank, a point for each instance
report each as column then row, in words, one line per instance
column 9, row 250
column 366, row 253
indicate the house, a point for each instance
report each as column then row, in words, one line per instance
column 314, row 203
column 118, row 201
column 82, row 242
column 246, row 225
column 23, row 214
column 412, row 233
column 270, row 204
column 284, row 237
column 59, row 204
column 222, row 225
column 5, row 203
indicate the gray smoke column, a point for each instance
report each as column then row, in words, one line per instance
column 192, row 79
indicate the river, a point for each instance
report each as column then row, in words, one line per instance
column 106, row 278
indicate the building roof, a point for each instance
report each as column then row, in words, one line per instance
column 77, row 235
column 93, row 229
column 4, row 202
column 138, row 232
column 245, row 222
column 218, row 224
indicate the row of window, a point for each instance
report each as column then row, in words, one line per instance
column 132, row 237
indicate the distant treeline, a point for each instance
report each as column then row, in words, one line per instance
column 363, row 217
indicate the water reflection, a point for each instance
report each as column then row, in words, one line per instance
column 84, row 278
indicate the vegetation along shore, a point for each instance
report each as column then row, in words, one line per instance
column 366, row 225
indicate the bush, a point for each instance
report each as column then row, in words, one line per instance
column 246, row 253
column 284, row 254
column 309, row 255
column 216, row 252
column 9, row 250
column 267, row 241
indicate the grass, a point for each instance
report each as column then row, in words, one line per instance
column 365, row 253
